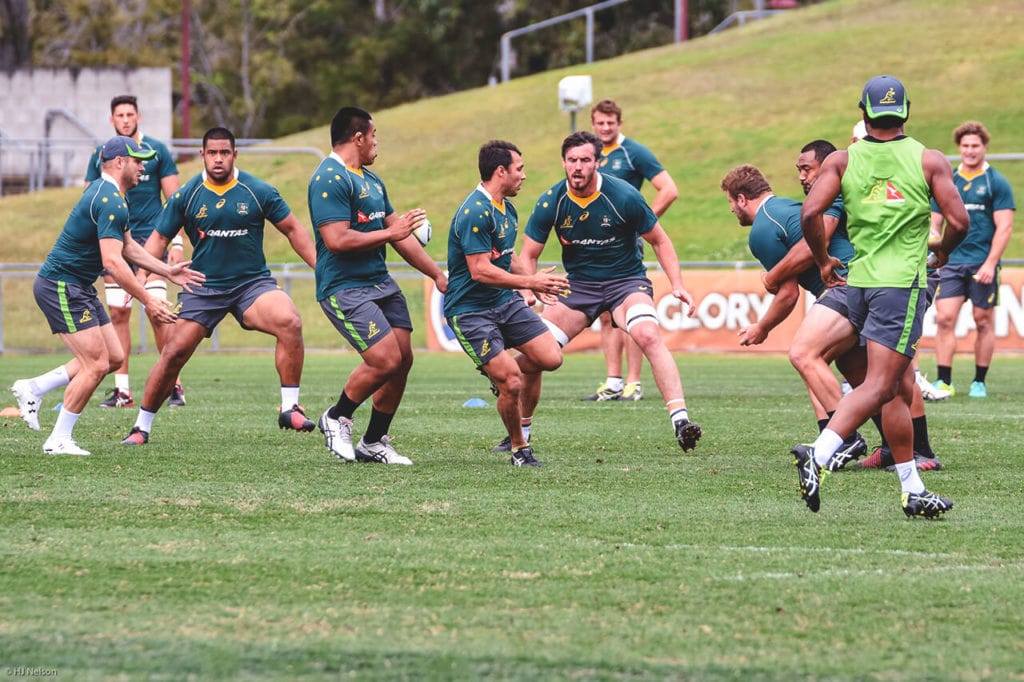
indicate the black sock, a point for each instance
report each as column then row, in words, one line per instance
column 877, row 419
column 379, row 424
column 344, row 408
column 945, row 374
column 980, row 373
column 822, row 423
column 921, row 444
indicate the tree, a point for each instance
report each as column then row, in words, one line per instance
column 15, row 45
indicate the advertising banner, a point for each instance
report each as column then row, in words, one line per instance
column 728, row 300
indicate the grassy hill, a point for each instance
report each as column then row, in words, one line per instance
column 754, row 94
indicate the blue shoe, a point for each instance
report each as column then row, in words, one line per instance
column 943, row 386
column 978, row 390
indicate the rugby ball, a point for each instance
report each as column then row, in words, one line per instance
column 424, row 232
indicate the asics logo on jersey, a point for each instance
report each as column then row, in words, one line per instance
column 584, row 216
column 201, row 213
column 86, row 317
column 220, row 204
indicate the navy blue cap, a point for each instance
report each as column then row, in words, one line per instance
column 885, row 96
column 121, row 145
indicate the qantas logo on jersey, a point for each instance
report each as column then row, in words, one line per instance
column 495, row 254
column 227, row 233
column 884, row 192
column 565, row 241
column 363, row 218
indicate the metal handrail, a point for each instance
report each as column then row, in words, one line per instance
column 588, row 12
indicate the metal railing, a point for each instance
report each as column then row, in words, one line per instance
column 41, row 152
column 588, row 12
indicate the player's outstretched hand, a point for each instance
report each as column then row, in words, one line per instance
column 441, row 282
column 548, row 286
column 406, row 223
column 159, row 311
column 830, row 273
column 687, row 298
column 186, row 277
column 752, row 335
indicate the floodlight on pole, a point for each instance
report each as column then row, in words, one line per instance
column 574, row 93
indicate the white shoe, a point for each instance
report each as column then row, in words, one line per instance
column 929, row 392
column 337, row 436
column 63, row 445
column 846, row 388
column 381, row 452
column 28, row 402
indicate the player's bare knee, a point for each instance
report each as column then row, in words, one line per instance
column 511, row 385
column 552, row 363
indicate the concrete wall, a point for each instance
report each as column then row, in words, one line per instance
column 26, row 96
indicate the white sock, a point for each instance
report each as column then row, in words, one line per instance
column 121, row 383
column 613, row 383
column 289, row 397
column 65, row 423
column 910, row 479
column 44, row 383
column 526, row 426
column 825, row 446
column 145, row 420
column 679, row 415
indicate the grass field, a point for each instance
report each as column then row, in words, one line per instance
column 227, row 549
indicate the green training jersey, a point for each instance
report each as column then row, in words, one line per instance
column 100, row 213
column 776, row 230
column 341, row 194
column 888, row 213
column 598, row 233
column 225, row 226
column 145, row 198
column 479, row 226
column 983, row 194
column 629, row 160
